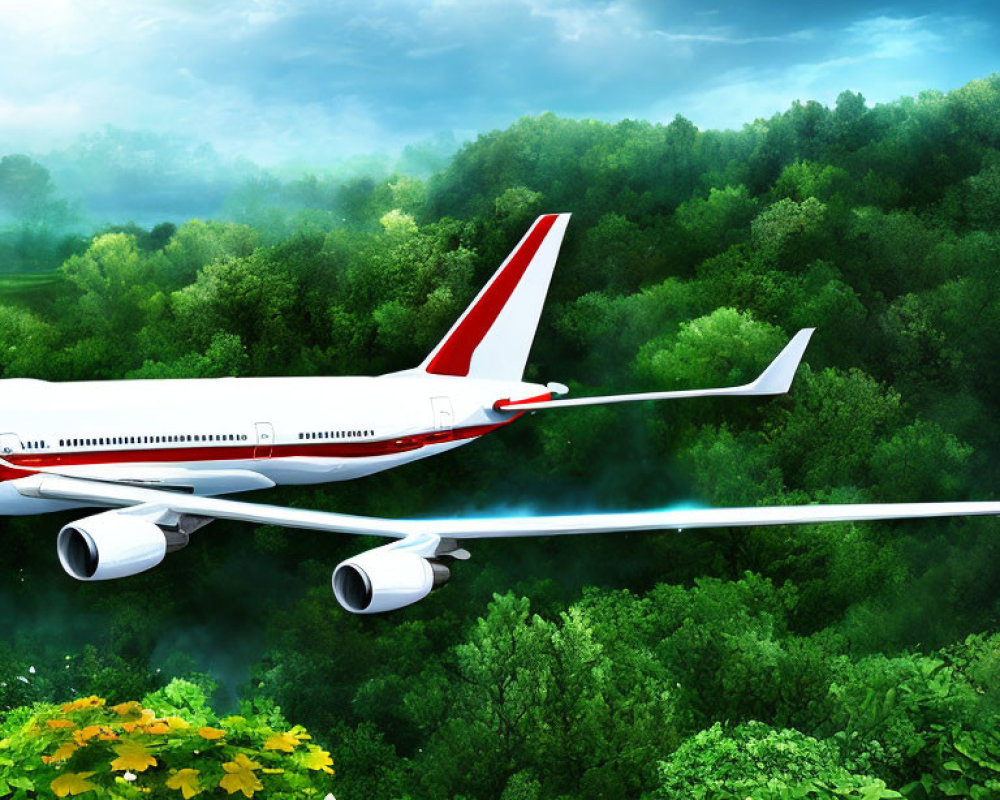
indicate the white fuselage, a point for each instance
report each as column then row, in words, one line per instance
column 222, row 435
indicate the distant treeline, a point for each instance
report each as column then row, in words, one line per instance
column 840, row 660
column 52, row 204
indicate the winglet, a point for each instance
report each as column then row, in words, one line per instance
column 777, row 378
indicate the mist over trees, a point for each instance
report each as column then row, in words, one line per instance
column 116, row 176
column 819, row 661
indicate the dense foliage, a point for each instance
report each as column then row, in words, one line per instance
column 840, row 660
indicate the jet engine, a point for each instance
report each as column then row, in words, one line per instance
column 386, row 579
column 110, row 545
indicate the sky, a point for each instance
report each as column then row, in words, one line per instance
column 279, row 81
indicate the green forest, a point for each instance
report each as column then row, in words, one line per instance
column 817, row 661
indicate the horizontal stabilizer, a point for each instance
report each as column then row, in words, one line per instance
column 776, row 379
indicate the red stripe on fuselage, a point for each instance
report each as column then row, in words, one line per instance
column 31, row 462
column 455, row 355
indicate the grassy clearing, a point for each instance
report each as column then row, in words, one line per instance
column 30, row 289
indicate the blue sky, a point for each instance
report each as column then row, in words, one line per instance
column 277, row 80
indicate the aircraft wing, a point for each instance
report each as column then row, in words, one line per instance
column 154, row 503
column 118, row 495
column 775, row 379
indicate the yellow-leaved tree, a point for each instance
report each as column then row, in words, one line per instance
column 170, row 744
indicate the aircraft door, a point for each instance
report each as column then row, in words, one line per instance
column 10, row 443
column 444, row 418
column 265, row 440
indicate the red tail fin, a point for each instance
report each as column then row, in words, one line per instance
column 492, row 338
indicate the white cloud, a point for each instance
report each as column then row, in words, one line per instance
column 723, row 36
column 909, row 54
column 895, row 38
column 575, row 22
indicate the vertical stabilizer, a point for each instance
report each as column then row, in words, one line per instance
column 492, row 338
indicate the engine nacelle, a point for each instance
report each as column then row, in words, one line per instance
column 110, row 545
column 385, row 579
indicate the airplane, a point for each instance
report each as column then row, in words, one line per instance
column 157, row 453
